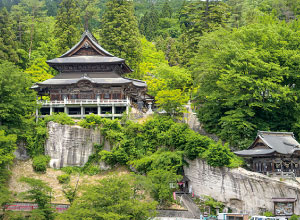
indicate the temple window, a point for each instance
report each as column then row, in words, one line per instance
column 106, row 96
column 116, row 95
column 74, row 96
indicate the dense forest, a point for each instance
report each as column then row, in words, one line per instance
column 237, row 61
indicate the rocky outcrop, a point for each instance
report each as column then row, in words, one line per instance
column 21, row 152
column 71, row 145
column 242, row 190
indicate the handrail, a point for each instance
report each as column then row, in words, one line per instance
column 82, row 101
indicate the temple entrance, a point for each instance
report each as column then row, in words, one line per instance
column 45, row 111
column 106, row 110
column 74, row 111
column 58, row 110
column 89, row 110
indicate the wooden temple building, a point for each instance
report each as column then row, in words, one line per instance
column 274, row 154
column 91, row 80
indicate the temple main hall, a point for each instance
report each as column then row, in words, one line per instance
column 90, row 80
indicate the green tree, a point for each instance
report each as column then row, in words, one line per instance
column 160, row 181
column 148, row 24
column 90, row 12
column 169, row 46
column 174, row 77
column 119, row 32
column 8, row 46
column 17, row 101
column 39, row 70
column 166, row 10
column 172, row 101
column 68, row 24
column 39, row 193
column 35, row 11
column 248, row 80
column 150, row 59
column 218, row 155
column 7, row 148
column 112, row 198
column 197, row 18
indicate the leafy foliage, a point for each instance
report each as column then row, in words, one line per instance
column 247, row 83
column 213, row 204
column 17, row 101
column 160, row 160
column 218, row 155
column 119, row 33
column 64, row 178
column 61, row 118
column 68, row 24
column 111, row 198
column 7, row 38
column 161, row 143
column 160, row 184
column 40, row 163
column 39, row 193
column 172, row 101
column 7, row 147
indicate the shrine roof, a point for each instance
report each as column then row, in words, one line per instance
column 85, row 59
column 87, row 51
column 255, row 152
column 280, row 142
column 68, row 79
column 87, row 34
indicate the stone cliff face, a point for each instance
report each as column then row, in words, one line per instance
column 240, row 189
column 71, row 145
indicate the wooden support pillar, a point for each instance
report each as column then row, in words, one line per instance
column 81, row 111
column 99, row 110
column 127, row 105
column 113, row 111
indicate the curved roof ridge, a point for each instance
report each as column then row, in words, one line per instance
column 275, row 132
column 90, row 36
column 134, row 79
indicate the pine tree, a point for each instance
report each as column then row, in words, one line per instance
column 149, row 24
column 68, row 24
column 197, row 18
column 119, row 33
column 90, row 12
column 166, row 10
column 8, row 46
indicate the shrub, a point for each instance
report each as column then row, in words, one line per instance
column 270, row 214
column 213, row 204
column 159, row 182
column 294, row 217
column 108, row 157
column 218, row 155
column 91, row 121
column 64, row 178
column 61, row 118
column 70, row 170
column 40, row 163
column 92, row 170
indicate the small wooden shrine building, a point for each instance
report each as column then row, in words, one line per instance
column 274, row 154
column 91, row 80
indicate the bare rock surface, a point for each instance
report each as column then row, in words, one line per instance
column 71, row 145
column 242, row 190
